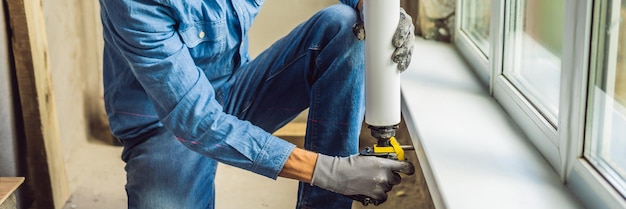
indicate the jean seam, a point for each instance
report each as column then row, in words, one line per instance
column 286, row 66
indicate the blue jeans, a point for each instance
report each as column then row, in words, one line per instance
column 319, row 65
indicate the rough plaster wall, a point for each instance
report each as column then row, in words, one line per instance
column 437, row 9
column 436, row 19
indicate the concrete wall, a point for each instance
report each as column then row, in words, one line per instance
column 7, row 123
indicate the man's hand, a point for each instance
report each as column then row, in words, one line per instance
column 403, row 41
column 359, row 175
column 403, row 38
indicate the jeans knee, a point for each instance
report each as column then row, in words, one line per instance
column 333, row 30
column 338, row 18
column 340, row 13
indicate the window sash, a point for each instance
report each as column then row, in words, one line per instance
column 604, row 59
column 541, row 131
column 529, row 62
column 468, row 46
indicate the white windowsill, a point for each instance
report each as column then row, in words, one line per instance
column 472, row 154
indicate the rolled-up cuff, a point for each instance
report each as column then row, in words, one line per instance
column 272, row 157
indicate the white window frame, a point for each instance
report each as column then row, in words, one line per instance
column 581, row 176
column 542, row 133
column 562, row 146
column 475, row 57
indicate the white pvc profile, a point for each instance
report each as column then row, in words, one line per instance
column 586, row 182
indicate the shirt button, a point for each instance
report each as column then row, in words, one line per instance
column 201, row 35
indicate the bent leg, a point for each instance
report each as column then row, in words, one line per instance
column 318, row 65
column 162, row 173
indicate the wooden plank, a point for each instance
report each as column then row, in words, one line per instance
column 46, row 168
column 8, row 185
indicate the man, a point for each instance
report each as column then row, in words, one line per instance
column 182, row 94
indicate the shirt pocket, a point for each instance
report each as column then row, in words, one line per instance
column 207, row 45
column 205, row 40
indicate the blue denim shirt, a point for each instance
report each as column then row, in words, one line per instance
column 162, row 61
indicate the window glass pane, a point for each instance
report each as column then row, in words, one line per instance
column 475, row 22
column 606, row 144
column 533, row 48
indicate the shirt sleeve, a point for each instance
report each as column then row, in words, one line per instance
column 351, row 3
column 145, row 34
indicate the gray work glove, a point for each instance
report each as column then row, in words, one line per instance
column 402, row 39
column 359, row 175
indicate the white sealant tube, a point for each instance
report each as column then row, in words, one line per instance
column 382, row 77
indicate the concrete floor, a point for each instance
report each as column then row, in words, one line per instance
column 96, row 172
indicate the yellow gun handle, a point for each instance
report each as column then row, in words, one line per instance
column 395, row 148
